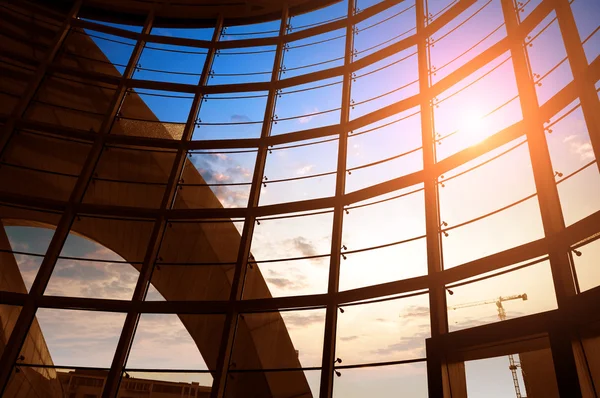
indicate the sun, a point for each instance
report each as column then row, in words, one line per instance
column 473, row 125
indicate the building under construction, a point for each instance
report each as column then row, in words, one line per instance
column 300, row 198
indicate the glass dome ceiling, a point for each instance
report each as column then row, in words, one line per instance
column 373, row 198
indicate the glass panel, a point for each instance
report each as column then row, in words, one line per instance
column 551, row 70
column 308, row 106
column 96, row 51
column 520, row 292
column 300, row 171
column 8, row 318
column 170, row 341
column 407, row 380
column 511, row 227
column 250, row 31
column 475, row 30
column 292, row 255
column 587, row 266
column 153, row 113
column 285, row 339
column 231, row 116
column 13, row 84
column 31, row 381
column 385, row 28
column 20, row 269
column 466, row 114
column 243, row 65
column 314, row 53
column 170, row 63
column 127, row 238
column 568, row 140
column 384, row 150
column 71, row 102
column 384, row 331
column 534, row 375
column 506, row 178
column 591, row 40
column 383, row 239
column 438, row 7
column 321, row 16
column 163, row 384
column 216, row 178
column 73, row 338
column 32, row 165
column 273, row 384
column 590, row 342
column 197, row 260
column 295, row 236
column 135, row 177
column 286, row 278
column 384, row 83
column 574, row 163
column 88, row 269
column 527, row 7
column 186, row 33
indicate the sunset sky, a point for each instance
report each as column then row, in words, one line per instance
column 378, row 332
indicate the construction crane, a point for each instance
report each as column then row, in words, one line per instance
column 513, row 365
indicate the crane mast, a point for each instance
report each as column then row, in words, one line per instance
column 513, row 365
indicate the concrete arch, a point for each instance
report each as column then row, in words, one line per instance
column 264, row 339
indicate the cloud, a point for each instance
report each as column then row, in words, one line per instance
column 348, row 338
column 308, row 116
column 415, row 311
column 304, row 246
column 293, row 280
column 414, row 344
column 236, row 118
column 298, row 320
column 218, row 168
column 580, row 147
column 305, row 169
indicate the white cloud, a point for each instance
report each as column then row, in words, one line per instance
column 579, row 146
column 308, row 116
column 305, row 169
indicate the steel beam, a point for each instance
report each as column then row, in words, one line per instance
column 437, row 298
column 62, row 230
column 590, row 104
column 111, row 387
column 328, row 357
column 239, row 276
column 38, row 77
column 549, row 202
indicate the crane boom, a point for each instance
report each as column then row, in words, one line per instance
column 494, row 301
column 513, row 365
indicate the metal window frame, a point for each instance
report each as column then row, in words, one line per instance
column 556, row 243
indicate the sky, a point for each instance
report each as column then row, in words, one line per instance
column 464, row 115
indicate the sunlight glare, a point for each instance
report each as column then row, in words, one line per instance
column 473, row 126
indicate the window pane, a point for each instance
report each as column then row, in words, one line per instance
column 408, row 380
column 386, row 331
column 73, row 338
column 285, row 339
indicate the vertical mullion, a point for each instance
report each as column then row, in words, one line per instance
column 437, row 296
column 237, row 285
column 549, row 202
column 111, row 387
column 579, row 66
column 38, row 77
column 547, row 193
column 327, row 364
column 61, row 233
